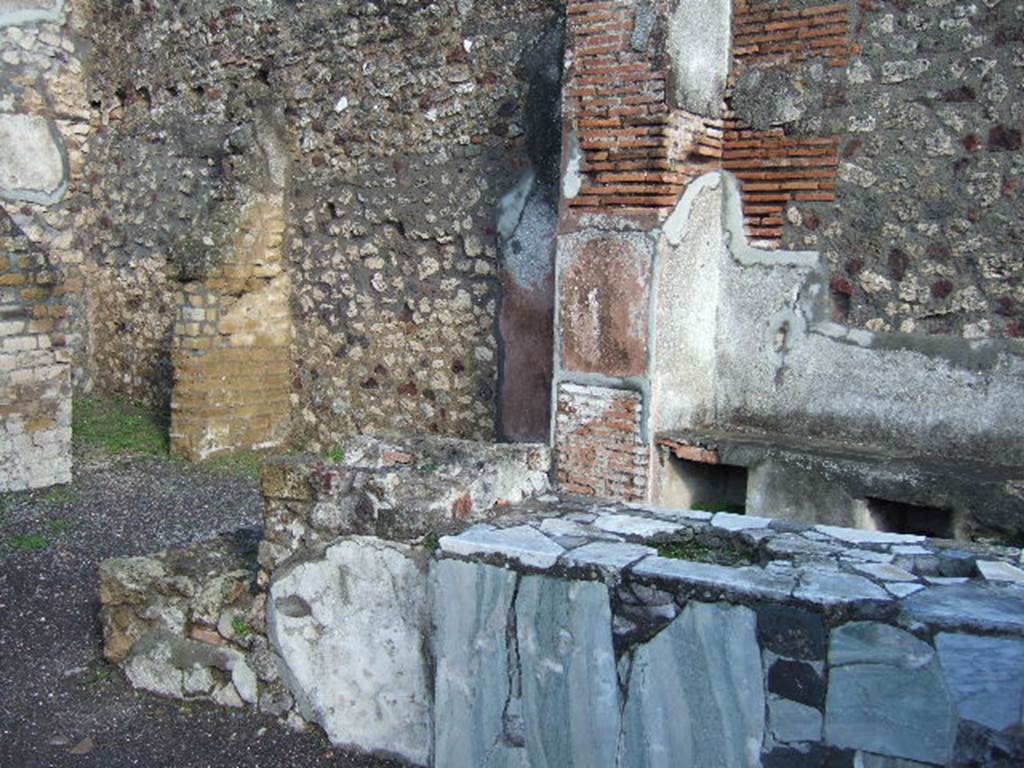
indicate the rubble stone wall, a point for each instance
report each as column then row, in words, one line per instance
column 46, row 122
column 404, row 125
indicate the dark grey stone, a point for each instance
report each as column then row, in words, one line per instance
column 791, row 632
column 814, row 756
column 797, row 681
column 979, row 747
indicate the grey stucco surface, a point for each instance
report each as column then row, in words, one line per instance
column 779, row 365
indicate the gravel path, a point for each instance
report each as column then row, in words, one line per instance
column 60, row 704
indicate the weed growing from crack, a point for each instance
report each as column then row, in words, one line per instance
column 240, row 627
column 59, row 525
column 97, row 676
column 242, row 463
column 59, row 496
column 698, row 551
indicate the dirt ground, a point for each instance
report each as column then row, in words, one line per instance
column 60, row 703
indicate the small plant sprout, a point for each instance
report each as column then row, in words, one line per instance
column 240, row 627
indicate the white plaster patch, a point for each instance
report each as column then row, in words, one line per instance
column 32, row 163
column 572, row 179
column 29, row 11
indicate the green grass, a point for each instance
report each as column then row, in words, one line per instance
column 59, row 525
column 698, row 551
column 97, row 676
column 337, row 454
column 245, row 463
column 431, row 542
column 119, row 427
column 32, row 542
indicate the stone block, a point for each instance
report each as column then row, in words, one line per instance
column 29, row 11
column 696, row 693
column 791, row 632
column 350, row 629
column 887, row 695
column 570, row 692
column 797, row 681
column 471, row 605
column 985, row 676
column 32, row 162
column 969, row 606
column 790, row 721
column 522, row 544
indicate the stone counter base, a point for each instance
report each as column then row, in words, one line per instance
column 569, row 632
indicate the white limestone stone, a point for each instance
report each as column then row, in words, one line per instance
column 610, row 555
column 885, row 571
column 29, row 11
column 350, row 630
column 903, row 589
column 32, row 165
column 730, row 521
column 523, row 544
column 777, row 584
column 634, row 525
column 995, row 570
column 827, row 587
column 859, row 536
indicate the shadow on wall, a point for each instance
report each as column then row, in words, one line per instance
column 527, row 230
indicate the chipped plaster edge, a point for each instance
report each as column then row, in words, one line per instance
column 32, row 15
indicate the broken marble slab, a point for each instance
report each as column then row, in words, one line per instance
column 523, row 544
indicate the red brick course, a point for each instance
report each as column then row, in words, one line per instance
column 599, row 447
column 639, row 153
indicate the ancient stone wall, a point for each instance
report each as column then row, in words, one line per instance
column 926, row 112
column 886, row 136
column 404, row 125
column 699, row 134
column 46, row 121
column 35, row 378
